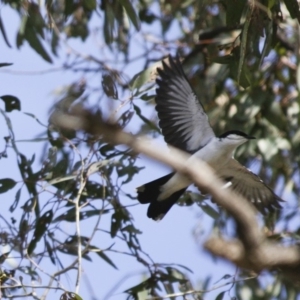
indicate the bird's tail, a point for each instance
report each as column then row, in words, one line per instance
column 149, row 192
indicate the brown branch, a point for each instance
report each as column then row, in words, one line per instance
column 253, row 251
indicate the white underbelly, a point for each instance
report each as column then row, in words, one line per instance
column 179, row 181
column 176, row 183
column 213, row 158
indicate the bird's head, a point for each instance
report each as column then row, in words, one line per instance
column 234, row 138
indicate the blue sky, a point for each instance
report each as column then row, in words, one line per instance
column 170, row 241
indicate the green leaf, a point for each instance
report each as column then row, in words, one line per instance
column 70, row 295
column 95, row 190
column 17, row 198
column 109, row 86
column 131, row 229
column 2, row 29
column 125, row 118
column 244, row 39
column 131, row 13
column 11, row 103
column 5, row 64
column 101, row 254
column 50, row 252
column 31, row 272
column 96, row 166
column 116, row 222
column 6, row 184
column 220, row 296
column 61, row 179
column 36, row 21
column 30, row 180
column 21, row 33
column 209, row 210
column 267, row 147
column 226, row 59
column 234, row 10
column 148, row 122
column 144, row 285
column 143, row 77
column 70, row 246
column 41, row 226
column 35, row 43
column 89, row 4
column 29, row 205
column 49, row 164
column 244, row 74
column 268, row 42
column 119, row 217
column 128, row 171
column 189, row 198
column 54, row 42
column 147, row 97
column 3, row 257
column 69, row 8
column 293, row 8
column 69, row 216
column 175, row 275
column 109, row 21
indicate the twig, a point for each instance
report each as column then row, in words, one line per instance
column 253, row 251
column 82, row 177
column 193, row 292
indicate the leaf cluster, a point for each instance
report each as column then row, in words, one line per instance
column 242, row 60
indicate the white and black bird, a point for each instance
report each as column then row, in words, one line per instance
column 185, row 126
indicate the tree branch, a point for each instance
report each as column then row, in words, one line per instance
column 253, row 251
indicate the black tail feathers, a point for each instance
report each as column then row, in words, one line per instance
column 149, row 192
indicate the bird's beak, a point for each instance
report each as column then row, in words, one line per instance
column 251, row 137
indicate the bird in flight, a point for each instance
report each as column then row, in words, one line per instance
column 185, row 125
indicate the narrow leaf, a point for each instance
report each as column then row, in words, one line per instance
column 5, row 64
column 293, row 8
column 3, row 257
column 35, row 43
column 146, row 76
column 70, row 295
column 41, row 226
column 101, row 254
column 11, row 103
column 69, row 216
column 131, row 13
column 226, row 59
column 220, row 296
column 234, row 10
column 15, row 204
column 109, row 20
column 50, row 252
column 6, row 184
column 148, row 122
column 109, row 86
column 209, row 210
column 2, row 29
column 244, row 42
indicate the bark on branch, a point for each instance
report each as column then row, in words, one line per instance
column 252, row 251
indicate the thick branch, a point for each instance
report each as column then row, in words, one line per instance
column 254, row 251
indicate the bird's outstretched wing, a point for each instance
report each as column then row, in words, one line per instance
column 250, row 186
column 183, row 121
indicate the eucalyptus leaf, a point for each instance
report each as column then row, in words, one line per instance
column 11, row 103
column 6, row 184
column 127, row 4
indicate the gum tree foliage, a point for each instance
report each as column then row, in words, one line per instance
column 241, row 58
